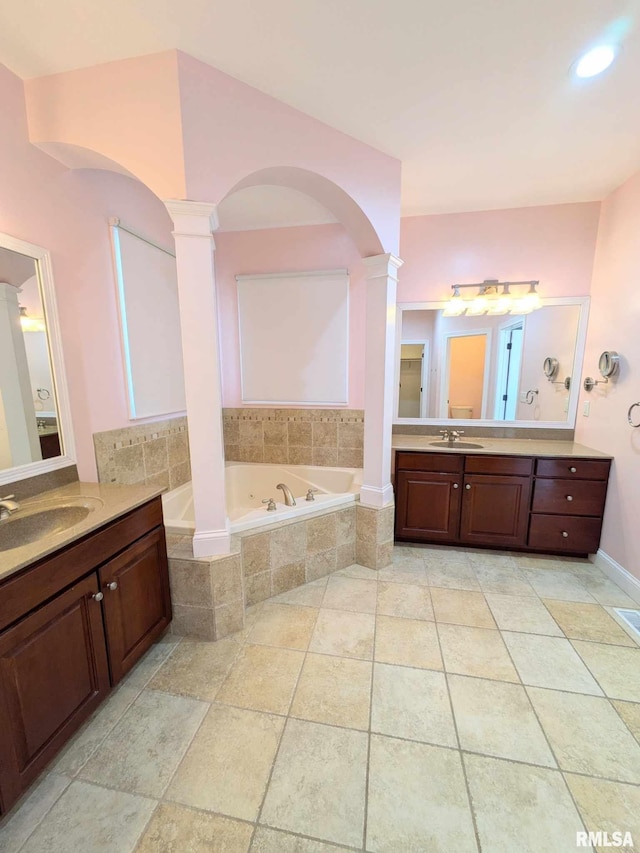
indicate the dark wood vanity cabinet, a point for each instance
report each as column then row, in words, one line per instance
column 525, row 503
column 70, row 627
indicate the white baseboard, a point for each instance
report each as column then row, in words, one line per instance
column 618, row 574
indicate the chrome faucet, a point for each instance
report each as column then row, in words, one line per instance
column 289, row 499
column 7, row 506
column 451, row 435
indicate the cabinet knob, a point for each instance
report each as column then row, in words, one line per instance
column 573, row 470
column 569, row 497
column 565, row 535
column 97, row 596
column 468, row 486
column 456, row 486
column 112, row 586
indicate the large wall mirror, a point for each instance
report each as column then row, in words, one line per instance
column 491, row 370
column 35, row 429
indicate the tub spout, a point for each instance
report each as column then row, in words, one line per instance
column 288, row 495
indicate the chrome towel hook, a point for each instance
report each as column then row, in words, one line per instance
column 629, row 415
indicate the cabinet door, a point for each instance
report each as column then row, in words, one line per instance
column 137, row 602
column 495, row 510
column 427, row 506
column 53, row 674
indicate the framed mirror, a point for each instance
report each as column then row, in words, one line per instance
column 490, row 370
column 35, row 423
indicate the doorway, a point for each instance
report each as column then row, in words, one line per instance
column 509, row 360
column 414, row 372
column 466, row 375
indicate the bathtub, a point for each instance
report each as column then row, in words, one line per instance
column 248, row 483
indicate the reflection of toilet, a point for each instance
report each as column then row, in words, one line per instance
column 461, row 411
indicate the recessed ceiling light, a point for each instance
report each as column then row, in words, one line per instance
column 595, row 61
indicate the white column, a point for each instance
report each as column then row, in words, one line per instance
column 379, row 396
column 194, row 223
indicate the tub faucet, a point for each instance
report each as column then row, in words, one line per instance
column 7, row 506
column 288, row 495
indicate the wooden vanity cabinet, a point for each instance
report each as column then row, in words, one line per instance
column 70, row 627
column 549, row 505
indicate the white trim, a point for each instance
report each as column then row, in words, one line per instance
column 617, row 573
column 376, row 497
column 576, row 376
column 212, row 543
column 44, row 271
column 306, row 273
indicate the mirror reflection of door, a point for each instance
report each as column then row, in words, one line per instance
column 510, row 342
column 466, row 375
column 414, row 368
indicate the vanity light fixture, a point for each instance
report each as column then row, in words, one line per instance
column 595, row 61
column 494, row 297
column 30, row 324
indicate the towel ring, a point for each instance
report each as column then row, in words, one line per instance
column 629, row 418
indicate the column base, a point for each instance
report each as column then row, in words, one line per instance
column 375, row 496
column 211, row 543
column 374, row 536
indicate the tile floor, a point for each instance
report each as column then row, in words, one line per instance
column 457, row 701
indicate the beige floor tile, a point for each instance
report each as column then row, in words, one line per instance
column 345, row 634
column 309, row 595
column 607, row 806
column 334, row 690
column 553, row 564
column 549, row 662
column 30, row 811
column 586, row 735
column 587, row 622
column 175, row 829
column 408, row 555
column 227, row 766
column 413, row 704
column 408, row 601
column 406, row 575
column 318, row 783
column 351, row 594
column 196, row 668
column 407, row 642
column 143, row 750
column 82, row 746
column 497, row 719
column 354, row 571
column 149, row 664
column 268, row 840
column 285, row 625
column 503, row 580
column 475, row 651
column 559, row 586
column 444, row 555
column 451, row 575
column 616, row 669
column 521, row 808
column 89, row 818
column 262, row 678
column 522, row 613
column 493, row 559
column 630, row 713
column 417, row 799
column 608, row 593
column 461, row 607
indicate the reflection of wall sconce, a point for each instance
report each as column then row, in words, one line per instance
column 609, row 367
column 493, row 297
column 30, row 324
column 550, row 368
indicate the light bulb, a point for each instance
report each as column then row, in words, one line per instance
column 595, row 61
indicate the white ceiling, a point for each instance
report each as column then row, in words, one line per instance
column 474, row 96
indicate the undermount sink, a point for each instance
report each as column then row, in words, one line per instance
column 34, row 523
column 454, row 445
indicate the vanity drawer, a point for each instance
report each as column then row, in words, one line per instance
column 565, row 533
column 569, row 497
column 575, row 469
column 520, row 466
column 445, row 463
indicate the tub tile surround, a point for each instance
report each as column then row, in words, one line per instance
column 156, row 454
column 331, row 437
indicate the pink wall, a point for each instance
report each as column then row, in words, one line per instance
column 614, row 324
column 554, row 244
column 67, row 212
column 306, row 248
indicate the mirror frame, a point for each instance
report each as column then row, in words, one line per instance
column 44, row 272
column 576, row 373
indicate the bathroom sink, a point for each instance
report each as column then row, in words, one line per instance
column 23, row 529
column 453, row 445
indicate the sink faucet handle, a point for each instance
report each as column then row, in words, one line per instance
column 8, row 498
column 310, row 495
column 271, row 504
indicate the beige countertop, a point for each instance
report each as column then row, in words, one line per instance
column 507, row 446
column 107, row 503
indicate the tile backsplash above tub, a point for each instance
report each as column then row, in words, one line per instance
column 332, row 437
column 156, row 454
